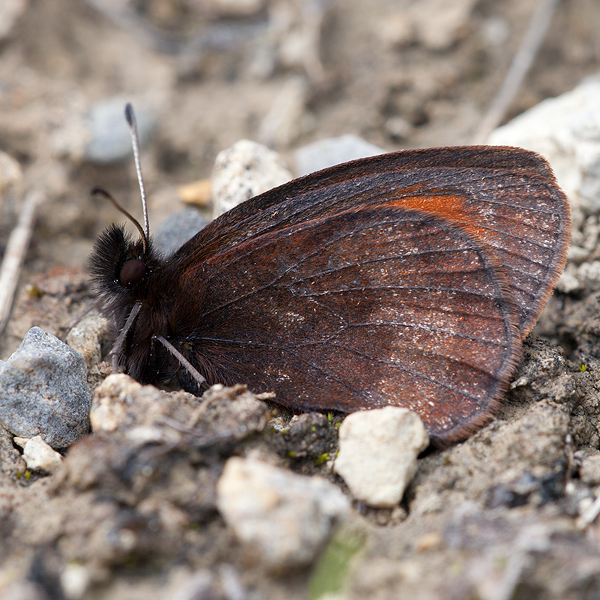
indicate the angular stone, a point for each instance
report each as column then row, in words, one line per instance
column 244, row 171
column 378, row 453
column 43, row 391
column 39, row 456
column 286, row 517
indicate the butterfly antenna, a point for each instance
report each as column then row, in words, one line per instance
column 135, row 144
column 98, row 191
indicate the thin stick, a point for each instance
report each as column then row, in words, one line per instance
column 185, row 363
column 18, row 242
column 521, row 63
column 135, row 144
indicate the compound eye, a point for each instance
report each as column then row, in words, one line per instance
column 131, row 272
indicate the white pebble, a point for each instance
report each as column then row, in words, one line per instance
column 39, row 456
column 287, row 517
column 378, row 453
column 244, row 171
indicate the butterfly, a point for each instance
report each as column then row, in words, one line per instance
column 405, row 279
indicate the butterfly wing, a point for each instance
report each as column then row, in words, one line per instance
column 362, row 309
column 505, row 197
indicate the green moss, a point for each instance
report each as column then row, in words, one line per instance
column 323, row 458
column 333, row 569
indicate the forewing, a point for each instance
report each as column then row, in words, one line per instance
column 360, row 310
column 506, row 197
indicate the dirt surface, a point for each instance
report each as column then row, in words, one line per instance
column 496, row 517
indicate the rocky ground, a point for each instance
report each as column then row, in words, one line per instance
column 136, row 510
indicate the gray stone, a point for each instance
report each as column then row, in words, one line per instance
column 178, row 229
column 244, row 171
column 43, row 391
column 286, row 517
column 378, row 453
column 333, row 151
column 108, row 131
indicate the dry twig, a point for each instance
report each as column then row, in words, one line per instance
column 18, row 242
column 521, row 63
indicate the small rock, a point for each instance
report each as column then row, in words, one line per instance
column 43, row 391
column 287, row 117
column 20, row 441
column 333, row 151
column 440, row 24
column 85, row 339
column 436, row 24
column 75, row 580
column 196, row 193
column 378, row 453
column 178, row 229
column 244, row 171
column 117, row 403
column 398, row 128
column 109, row 134
column 39, row 456
column 577, row 255
column 588, row 273
column 568, row 281
column 144, row 412
column 590, row 470
column 287, row 517
column 397, row 29
column 10, row 11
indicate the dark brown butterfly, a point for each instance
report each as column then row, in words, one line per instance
column 407, row 279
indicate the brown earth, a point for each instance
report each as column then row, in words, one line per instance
column 492, row 518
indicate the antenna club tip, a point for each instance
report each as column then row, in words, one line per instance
column 129, row 114
column 98, row 191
